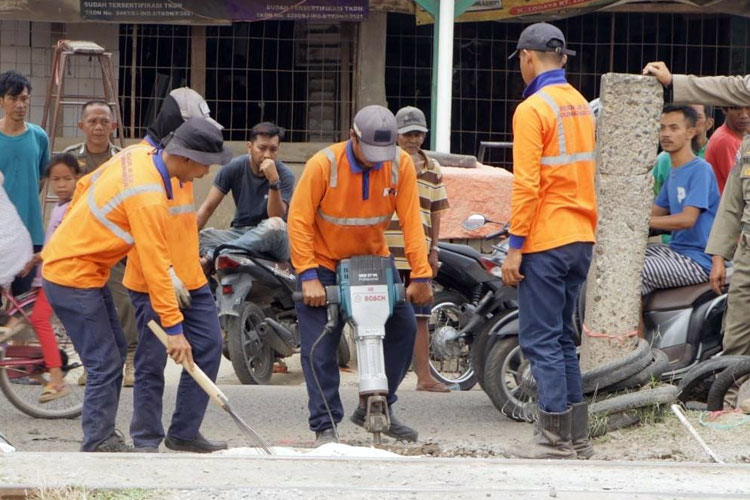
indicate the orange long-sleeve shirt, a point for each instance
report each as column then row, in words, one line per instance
column 120, row 206
column 339, row 211
column 553, row 202
column 182, row 239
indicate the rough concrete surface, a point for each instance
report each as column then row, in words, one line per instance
column 626, row 151
column 297, row 477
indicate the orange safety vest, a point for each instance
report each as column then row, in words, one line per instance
column 182, row 239
column 329, row 220
column 553, row 202
column 120, row 206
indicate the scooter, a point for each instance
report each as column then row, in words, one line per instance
column 256, row 312
column 472, row 293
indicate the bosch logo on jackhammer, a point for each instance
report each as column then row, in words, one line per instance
column 375, row 298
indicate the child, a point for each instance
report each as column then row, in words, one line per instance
column 62, row 174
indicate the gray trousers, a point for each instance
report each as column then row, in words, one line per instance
column 269, row 237
column 737, row 319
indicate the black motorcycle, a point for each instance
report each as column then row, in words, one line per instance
column 472, row 293
column 256, row 313
column 683, row 327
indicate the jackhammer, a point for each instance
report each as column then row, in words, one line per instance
column 364, row 297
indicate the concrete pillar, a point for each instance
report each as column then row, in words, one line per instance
column 370, row 64
column 627, row 143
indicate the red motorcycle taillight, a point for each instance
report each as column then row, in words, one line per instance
column 225, row 262
column 488, row 264
column 227, row 289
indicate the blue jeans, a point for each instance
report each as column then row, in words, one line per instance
column 546, row 302
column 398, row 347
column 269, row 237
column 201, row 329
column 90, row 319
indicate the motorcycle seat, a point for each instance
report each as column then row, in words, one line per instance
column 460, row 249
column 678, row 298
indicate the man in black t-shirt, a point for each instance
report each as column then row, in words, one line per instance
column 262, row 188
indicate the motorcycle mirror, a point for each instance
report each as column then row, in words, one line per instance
column 473, row 222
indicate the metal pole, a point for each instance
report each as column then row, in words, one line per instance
column 433, row 105
column 133, row 65
column 445, row 77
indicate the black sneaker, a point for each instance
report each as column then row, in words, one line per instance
column 114, row 444
column 398, row 431
column 324, row 437
column 197, row 445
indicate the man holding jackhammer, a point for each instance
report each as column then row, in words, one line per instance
column 553, row 223
column 341, row 208
column 200, row 323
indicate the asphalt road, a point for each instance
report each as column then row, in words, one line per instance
column 457, row 420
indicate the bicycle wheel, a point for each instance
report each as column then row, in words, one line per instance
column 21, row 384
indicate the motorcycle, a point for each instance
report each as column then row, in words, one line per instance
column 256, row 313
column 471, row 293
column 683, row 326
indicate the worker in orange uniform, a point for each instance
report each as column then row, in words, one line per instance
column 121, row 206
column 200, row 323
column 553, row 220
column 341, row 208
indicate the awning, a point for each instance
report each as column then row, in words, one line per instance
column 550, row 10
column 182, row 11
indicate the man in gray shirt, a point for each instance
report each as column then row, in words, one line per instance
column 262, row 188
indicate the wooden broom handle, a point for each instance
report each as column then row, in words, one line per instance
column 201, row 378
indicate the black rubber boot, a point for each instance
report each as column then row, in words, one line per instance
column 551, row 438
column 579, row 430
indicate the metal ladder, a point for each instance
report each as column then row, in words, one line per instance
column 64, row 50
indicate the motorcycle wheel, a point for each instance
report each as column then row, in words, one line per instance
column 505, row 373
column 480, row 344
column 255, row 370
column 735, row 375
column 454, row 370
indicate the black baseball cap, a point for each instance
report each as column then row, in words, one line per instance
column 200, row 140
column 539, row 37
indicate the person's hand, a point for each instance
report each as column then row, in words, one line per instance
column 432, row 258
column 419, row 292
column 35, row 259
column 512, row 268
column 660, row 71
column 179, row 350
column 181, row 293
column 718, row 274
column 313, row 293
column 268, row 168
